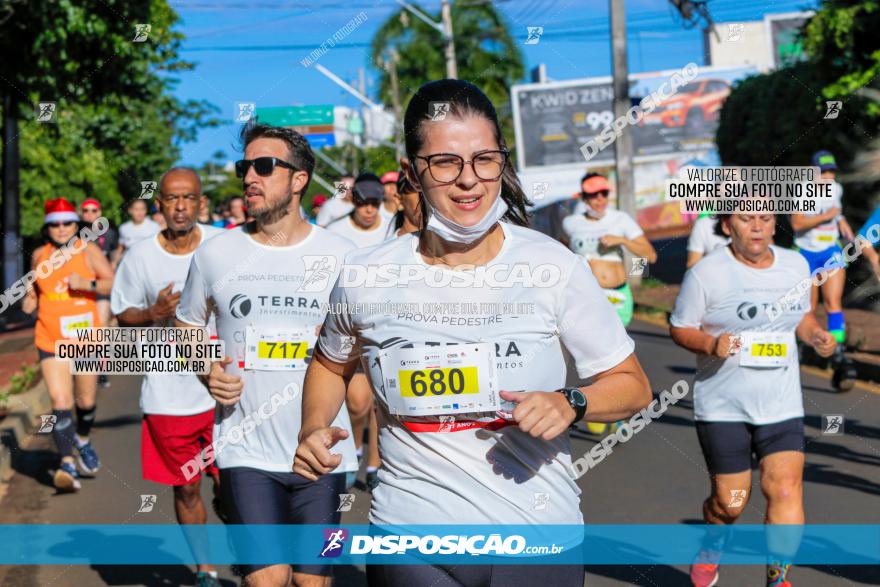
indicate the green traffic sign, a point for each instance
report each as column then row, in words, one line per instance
column 296, row 115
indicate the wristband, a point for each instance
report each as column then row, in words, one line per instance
column 94, row 285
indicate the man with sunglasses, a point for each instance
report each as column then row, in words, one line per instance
column 365, row 226
column 268, row 283
column 178, row 410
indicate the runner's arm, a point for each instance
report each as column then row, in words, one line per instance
column 814, row 335
column 618, row 393
column 29, row 304
column 323, row 397
column 101, row 266
column 641, row 247
column 693, row 258
column 802, row 222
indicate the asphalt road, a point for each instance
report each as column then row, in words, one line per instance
column 658, row 477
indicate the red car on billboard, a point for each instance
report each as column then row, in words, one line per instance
column 695, row 103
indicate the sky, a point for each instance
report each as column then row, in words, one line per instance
column 250, row 50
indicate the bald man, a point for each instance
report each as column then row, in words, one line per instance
column 178, row 410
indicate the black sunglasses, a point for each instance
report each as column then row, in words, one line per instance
column 591, row 195
column 60, row 224
column 262, row 165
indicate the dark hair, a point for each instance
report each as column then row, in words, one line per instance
column 403, row 184
column 719, row 218
column 299, row 152
column 134, row 201
column 590, row 174
column 464, row 99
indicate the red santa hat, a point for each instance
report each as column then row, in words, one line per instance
column 60, row 210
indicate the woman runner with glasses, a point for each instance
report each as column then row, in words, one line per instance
column 472, row 405
column 65, row 301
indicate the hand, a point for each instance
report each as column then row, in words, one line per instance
column 824, row 342
column 610, row 240
column 29, row 303
column 846, row 231
column 79, row 283
column 224, row 388
column 541, row 413
column 831, row 213
column 313, row 457
column 726, row 345
column 166, row 304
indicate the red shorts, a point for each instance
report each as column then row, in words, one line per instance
column 168, row 443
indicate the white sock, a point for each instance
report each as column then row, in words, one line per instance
column 372, row 469
column 360, row 452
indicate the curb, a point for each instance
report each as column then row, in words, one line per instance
column 21, row 423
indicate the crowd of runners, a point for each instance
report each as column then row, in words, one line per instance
column 267, row 274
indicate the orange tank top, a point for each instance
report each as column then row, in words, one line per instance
column 62, row 311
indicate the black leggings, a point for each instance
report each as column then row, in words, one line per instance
column 475, row 575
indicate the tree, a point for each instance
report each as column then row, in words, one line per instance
column 493, row 60
column 116, row 123
column 778, row 118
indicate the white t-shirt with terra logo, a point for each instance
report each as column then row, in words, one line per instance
column 719, row 294
column 490, row 473
column 268, row 288
column 584, row 235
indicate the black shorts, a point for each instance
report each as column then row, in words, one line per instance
column 728, row 446
column 475, row 575
column 252, row 496
column 45, row 354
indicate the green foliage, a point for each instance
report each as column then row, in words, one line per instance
column 116, row 121
column 486, row 54
column 778, row 118
column 842, row 42
column 20, row 382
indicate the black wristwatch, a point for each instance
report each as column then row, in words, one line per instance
column 577, row 400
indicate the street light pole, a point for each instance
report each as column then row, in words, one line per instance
column 446, row 15
column 623, row 146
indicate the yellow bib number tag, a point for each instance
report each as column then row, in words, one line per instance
column 440, row 380
column 278, row 349
column 449, row 381
column 766, row 349
column 283, row 350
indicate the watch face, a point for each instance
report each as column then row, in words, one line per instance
column 578, row 397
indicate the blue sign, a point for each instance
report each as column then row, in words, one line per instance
column 321, row 140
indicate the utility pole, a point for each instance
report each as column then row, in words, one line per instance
column 12, row 263
column 623, row 146
column 446, row 15
column 395, row 101
column 444, row 28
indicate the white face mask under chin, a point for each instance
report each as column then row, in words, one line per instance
column 456, row 233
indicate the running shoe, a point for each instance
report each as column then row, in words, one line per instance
column 704, row 570
column 88, row 459
column 66, row 478
column 845, row 373
column 777, row 574
column 372, row 480
column 704, row 575
column 597, row 428
column 204, row 579
column 103, row 381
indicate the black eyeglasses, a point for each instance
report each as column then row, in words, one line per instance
column 262, row 165
column 60, row 224
column 447, row 167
